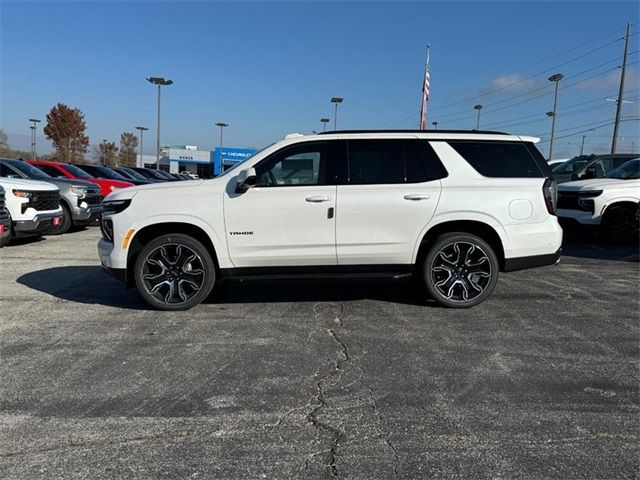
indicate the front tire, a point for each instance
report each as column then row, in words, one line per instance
column 619, row 224
column 460, row 270
column 174, row 272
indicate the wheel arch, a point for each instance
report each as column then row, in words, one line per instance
column 475, row 227
column 154, row 230
column 622, row 203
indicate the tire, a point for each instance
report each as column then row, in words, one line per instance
column 7, row 239
column 66, row 222
column 619, row 224
column 460, row 270
column 174, row 272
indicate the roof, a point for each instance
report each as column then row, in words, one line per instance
column 332, row 132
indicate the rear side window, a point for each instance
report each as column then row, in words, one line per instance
column 500, row 159
column 392, row 161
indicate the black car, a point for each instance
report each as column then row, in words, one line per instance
column 99, row 171
column 130, row 174
column 151, row 173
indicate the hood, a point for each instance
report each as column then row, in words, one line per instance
column 71, row 181
column 161, row 187
column 10, row 183
column 596, row 184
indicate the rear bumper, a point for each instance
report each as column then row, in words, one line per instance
column 38, row 225
column 533, row 261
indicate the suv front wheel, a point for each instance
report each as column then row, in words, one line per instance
column 174, row 272
column 460, row 270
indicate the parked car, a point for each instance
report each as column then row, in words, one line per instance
column 5, row 220
column 452, row 207
column 150, row 173
column 33, row 206
column 66, row 170
column 99, row 171
column 128, row 173
column 610, row 203
column 81, row 201
column 558, row 161
column 585, row 167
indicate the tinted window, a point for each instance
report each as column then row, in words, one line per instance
column 499, row 159
column 421, row 157
column 375, row 161
column 29, row 170
column 297, row 165
column 75, row 171
column 6, row 171
column 53, row 171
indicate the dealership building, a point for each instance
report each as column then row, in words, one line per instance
column 204, row 163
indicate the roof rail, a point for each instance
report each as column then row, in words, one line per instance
column 330, row 132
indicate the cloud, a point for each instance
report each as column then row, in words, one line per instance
column 611, row 82
column 512, row 83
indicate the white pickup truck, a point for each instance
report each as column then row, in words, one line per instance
column 33, row 206
column 610, row 203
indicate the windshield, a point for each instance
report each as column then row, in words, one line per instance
column 134, row 174
column 75, row 171
column 627, row 171
column 112, row 174
column 570, row 166
column 28, row 170
column 243, row 161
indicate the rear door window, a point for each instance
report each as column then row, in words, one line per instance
column 500, row 159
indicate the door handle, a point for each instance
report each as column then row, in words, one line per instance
column 318, row 199
column 417, row 196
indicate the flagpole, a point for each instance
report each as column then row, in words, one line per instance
column 425, row 93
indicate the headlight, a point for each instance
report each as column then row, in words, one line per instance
column 585, row 199
column 22, row 194
column 79, row 191
column 113, row 188
column 114, row 206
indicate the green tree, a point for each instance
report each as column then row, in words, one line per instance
column 65, row 128
column 128, row 146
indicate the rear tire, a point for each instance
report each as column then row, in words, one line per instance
column 460, row 270
column 174, row 272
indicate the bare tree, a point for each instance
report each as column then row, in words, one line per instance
column 105, row 153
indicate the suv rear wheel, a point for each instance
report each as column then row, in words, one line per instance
column 174, row 272
column 460, row 270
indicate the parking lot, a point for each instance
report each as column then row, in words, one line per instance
column 297, row 379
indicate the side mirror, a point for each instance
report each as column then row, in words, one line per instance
column 246, row 179
column 590, row 172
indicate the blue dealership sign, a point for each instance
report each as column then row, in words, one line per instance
column 228, row 157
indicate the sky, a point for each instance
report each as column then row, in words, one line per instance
column 270, row 68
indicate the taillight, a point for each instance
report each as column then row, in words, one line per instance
column 550, row 192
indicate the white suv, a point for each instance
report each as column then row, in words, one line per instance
column 610, row 202
column 453, row 207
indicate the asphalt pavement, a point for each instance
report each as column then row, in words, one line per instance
column 318, row 378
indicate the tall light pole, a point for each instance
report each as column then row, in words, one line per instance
column 616, row 125
column 478, row 107
column 336, row 101
column 553, row 114
column 159, row 81
column 33, row 127
column 142, row 130
column 221, row 125
column 582, row 144
column 435, row 125
column 324, row 123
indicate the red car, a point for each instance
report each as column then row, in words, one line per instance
column 66, row 170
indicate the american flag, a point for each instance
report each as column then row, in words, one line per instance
column 425, row 91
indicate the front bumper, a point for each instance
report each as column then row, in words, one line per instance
column 5, row 226
column 83, row 216
column 36, row 226
column 580, row 216
column 105, row 249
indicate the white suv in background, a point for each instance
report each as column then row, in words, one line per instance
column 453, row 207
column 610, row 203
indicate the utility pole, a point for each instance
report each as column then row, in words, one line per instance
column 33, row 137
column 553, row 114
column 616, row 125
column 142, row 130
column 478, row 108
column 582, row 144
